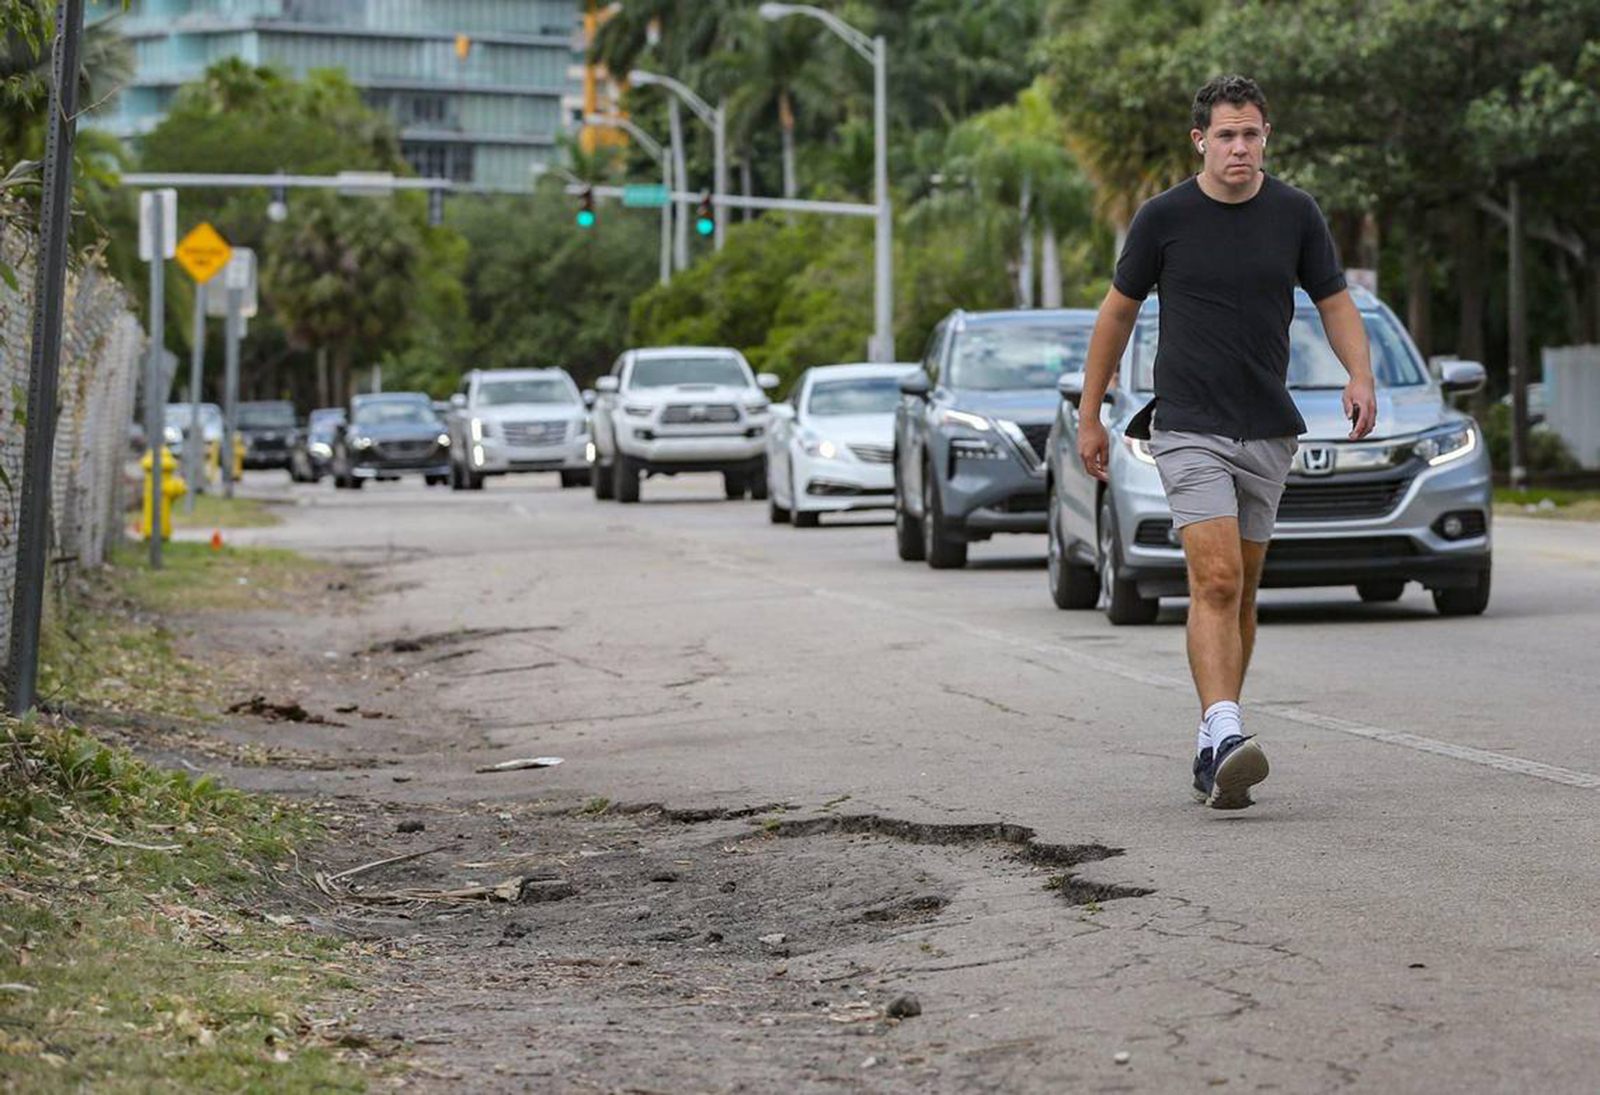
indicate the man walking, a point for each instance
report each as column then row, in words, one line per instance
column 1224, row 250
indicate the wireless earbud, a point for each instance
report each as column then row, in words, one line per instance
column 1202, row 146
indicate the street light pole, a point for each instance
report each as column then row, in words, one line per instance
column 715, row 119
column 680, row 252
column 653, row 149
column 875, row 51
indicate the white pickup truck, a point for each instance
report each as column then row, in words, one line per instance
column 677, row 409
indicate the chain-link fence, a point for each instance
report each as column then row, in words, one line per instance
column 101, row 346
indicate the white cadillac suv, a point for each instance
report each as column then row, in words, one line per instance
column 517, row 420
column 680, row 409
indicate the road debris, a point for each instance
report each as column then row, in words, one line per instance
column 905, row 1006
column 519, row 764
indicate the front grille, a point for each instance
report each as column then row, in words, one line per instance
column 403, row 449
column 1341, row 549
column 1154, row 533
column 827, row 488
column 533, row 434
column 1337, row 500
column 1038, row 436
column 1025, row 503
column 277, row 443
column 873, row 454
column 693, row 414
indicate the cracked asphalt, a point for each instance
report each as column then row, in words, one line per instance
column 1414, row 904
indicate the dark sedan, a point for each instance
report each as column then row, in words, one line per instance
column 267, row 429
column 390, row 435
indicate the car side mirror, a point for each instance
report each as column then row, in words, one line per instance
column 588, row 397
column 1460, row 377
column 781, row 410
column 606, row 384
column 768, row 381
column 1070, row 385
column 916, row 384
column 458, row 400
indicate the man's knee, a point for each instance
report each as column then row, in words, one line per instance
column 1218, row 585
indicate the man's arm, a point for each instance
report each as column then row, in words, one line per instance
column 1348, row 337
column 1111, row 330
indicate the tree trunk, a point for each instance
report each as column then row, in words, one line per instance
column 1419, row 290
column 341, row 377
column 322, row 378
column 1468, row 247
column 1049, row 269
column 745, row 184
column 786, row 119
column 1025, row 264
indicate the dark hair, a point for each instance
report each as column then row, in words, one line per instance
column 1236, row 90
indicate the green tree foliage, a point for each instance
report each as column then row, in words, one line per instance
column 540, row 291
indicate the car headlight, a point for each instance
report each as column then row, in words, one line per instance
column 1447, row 445
column 479, row 429
column 962, row 418
column 1140, row 449
column 637, row 410
column 819, row 446
column 171, row 435
column 444, row 439
column 321, row 448
column 363, row 442
column 757, row 406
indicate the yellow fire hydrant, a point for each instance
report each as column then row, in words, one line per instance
column 171, row 487
column 214, row 462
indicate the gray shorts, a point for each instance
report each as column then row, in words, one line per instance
column 1206, row 476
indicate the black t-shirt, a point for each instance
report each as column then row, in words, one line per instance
column 1226, row 274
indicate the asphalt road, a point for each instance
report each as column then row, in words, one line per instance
column 1413, row 905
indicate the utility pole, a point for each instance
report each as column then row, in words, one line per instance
column 238, row 279
column 1517, row 333
column 680, row 244
column 158, row 212
column 49, row 288
column 194, row 445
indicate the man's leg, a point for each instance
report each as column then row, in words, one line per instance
column 1254, row 557
column 1212, row 550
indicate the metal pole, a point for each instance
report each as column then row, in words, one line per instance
column 230, row 386
column 49, row 288
column 194, row 445
column 1516, row 332
column 154, row 397
column 681, row 175
column 719, row 137
column 666, row 222
column 883, row 296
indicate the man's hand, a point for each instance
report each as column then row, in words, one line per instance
column 1361, row 407
column 1094, row 446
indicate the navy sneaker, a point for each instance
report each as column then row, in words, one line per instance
column 1202, row 775
column 1238, row 766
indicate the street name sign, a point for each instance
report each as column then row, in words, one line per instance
column 203, row 252
column 645, row 195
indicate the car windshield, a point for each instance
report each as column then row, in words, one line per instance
column 178, row 415
column 268, row 415
column 396, row 412
column 498, row 393
column 1312, row 362
column 862, row 395
column 663, row 372
column 1013, row 355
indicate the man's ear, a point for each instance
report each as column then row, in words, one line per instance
column 1198, row 139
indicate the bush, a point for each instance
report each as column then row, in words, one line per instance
column 1547, row 452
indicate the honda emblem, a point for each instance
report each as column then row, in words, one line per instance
column 1317, row 461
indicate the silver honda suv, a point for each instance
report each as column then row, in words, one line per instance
column 1408, row 503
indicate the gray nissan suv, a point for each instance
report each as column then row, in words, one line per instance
column 970, row 432
column 1408, row 503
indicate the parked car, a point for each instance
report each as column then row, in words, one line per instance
column 312, row 454
column 969, row 439
column 1408, row 503
column 267, row 429
column 518, row 420
column 390, row 435
column 831, row 445
column 680, row 409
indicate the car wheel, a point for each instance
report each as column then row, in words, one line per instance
column 941, row 551
column 1071, row 585
column 1380, row 592
column 1463, row 602
column 626, row 474
column 357, row 484
column 574, row 479
column 907, row 529
column 733, row 485
column 776, row 513
column 435, row 480
column 1120, row 596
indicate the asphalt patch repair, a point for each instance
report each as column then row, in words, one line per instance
column 605, row 948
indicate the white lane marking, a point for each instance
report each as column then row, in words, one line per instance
column 1500, row 761
column 521, row 511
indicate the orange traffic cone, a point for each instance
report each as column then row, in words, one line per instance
column 216, row 540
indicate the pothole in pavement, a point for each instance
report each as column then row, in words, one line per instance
column 416, row 644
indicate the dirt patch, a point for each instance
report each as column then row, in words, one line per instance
column 418, row 643
column 261, row 708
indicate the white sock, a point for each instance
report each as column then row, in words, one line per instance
column 1203, row 742
column 1223, row 721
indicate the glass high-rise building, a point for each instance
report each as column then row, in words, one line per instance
column 475, row 87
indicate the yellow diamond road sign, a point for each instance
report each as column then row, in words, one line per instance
column 203, row 252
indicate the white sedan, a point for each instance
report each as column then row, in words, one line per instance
column 831, row 445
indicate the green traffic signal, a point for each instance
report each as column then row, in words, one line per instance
column 705, row 226
column 586, row 218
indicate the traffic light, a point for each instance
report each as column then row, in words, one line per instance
column 705, row 218
column 586, row 217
